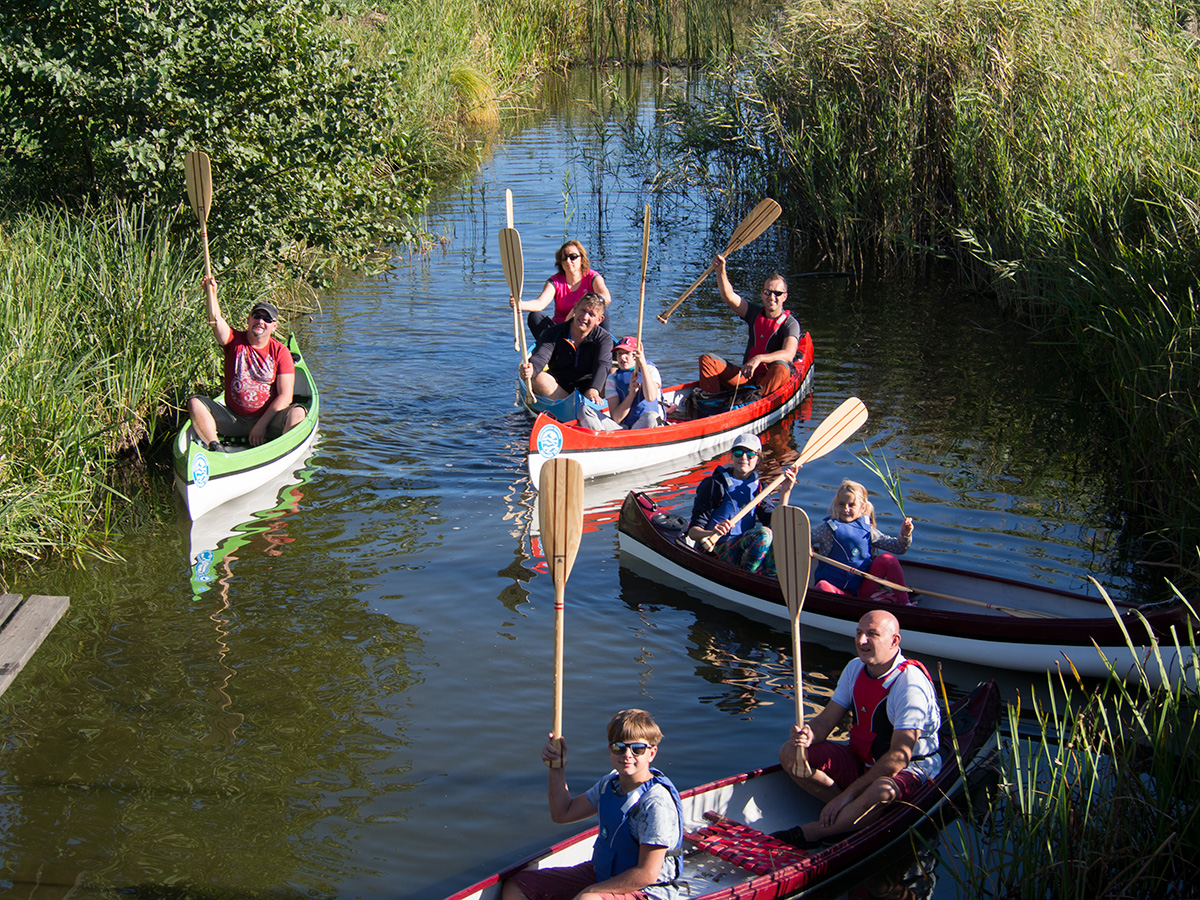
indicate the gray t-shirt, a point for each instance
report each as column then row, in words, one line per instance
column 655, row 821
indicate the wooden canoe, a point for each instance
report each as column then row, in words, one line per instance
column 206, row 480
column 729, row 851
column 682, row 439
column 1027, row 627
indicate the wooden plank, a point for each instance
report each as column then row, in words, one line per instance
column 8, row 602
column 24, row 633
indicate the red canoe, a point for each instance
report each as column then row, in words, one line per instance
column 963, row 615
column 683, row 438
column 729, row 851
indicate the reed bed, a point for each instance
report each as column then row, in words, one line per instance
column 104, row 332
column 1100, row 803
column 1045, row 152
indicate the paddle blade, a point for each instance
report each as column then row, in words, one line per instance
column 760, row 219
column 832, row 433
column 512, row 260
column 792, row 540
column 560, row 499
column 197, row 172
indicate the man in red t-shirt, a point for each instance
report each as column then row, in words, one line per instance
column 259, row 379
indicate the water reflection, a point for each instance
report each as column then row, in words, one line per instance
column 257, row 520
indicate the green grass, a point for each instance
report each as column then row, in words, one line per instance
column 105, row 336
column 1100, row 802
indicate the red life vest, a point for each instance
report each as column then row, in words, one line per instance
column 871, row 733
column 762, row 331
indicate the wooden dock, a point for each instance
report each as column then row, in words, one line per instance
column 23, row 627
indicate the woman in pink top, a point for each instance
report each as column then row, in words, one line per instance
column 575, row 277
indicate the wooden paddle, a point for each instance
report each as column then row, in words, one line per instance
column 792, row 543
column 759, row 220
column 197, row 173
column 1009, row 610
column 829, row 435
column 645, row 259
column 516, row 312
column 513, row 261
column 560, row 499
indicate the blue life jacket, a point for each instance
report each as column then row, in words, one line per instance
column 737, row 494
column 615, row 850
column 852, row 546
column 621, row 379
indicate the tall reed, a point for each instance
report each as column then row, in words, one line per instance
column 1040, row 150
column 104, row 331
column 1101, row 802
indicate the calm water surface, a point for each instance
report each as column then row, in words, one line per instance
column 349, row 698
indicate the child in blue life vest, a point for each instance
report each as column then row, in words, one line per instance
column 848, row 535
column 638, row 854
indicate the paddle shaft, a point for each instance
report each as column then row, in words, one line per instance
column 513, row 261
column 645, row 259
column 793, row 545
column 751, row 227
column 516, row 311
column 830, row 434
column 1008, row 610
column 560, row 496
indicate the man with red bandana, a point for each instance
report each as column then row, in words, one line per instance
column 893, row 745
column 772, row 343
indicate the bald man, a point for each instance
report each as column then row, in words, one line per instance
column 893, row 745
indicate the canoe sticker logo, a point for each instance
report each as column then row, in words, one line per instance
column 200, row 470
column 549, row 441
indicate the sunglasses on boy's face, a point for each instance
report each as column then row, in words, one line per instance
column 739, row 452
column 637, row 748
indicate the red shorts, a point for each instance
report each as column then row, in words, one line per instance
column 564, row 883
column 842, row 764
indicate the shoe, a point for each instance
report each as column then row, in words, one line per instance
column 215, row 447
column 795, row 837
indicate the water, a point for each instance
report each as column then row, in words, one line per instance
column 353, row 704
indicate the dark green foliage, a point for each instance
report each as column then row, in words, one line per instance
column 102, row 98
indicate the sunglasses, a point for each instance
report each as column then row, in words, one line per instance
column 637, row 748
column 739, row 452
column 262, row 317
column 767, row 293
column 572, row 256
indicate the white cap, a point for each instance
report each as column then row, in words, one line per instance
column 749, row 441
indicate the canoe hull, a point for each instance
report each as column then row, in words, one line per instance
column 1024, row 639
column 606, row 453
column 207, row 480
column 766, row 800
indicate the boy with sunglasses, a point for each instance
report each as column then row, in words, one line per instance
column 719, row 497
column 259, row 379
column 638, row 854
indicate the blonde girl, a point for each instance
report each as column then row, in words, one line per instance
column 848, row 535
